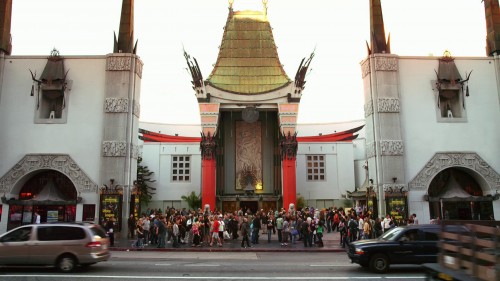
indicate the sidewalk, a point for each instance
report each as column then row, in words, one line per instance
column 330, row 242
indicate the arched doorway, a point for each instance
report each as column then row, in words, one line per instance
column 49, row 193
column 455, row 194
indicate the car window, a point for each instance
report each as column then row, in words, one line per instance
column 392, row 234
column 19, row 235
column 431, row 235
column 98, row 231
column 410, row 235
column 53, row 233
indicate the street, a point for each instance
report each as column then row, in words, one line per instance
column 218, row 266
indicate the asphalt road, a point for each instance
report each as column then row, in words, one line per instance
column 217, row 266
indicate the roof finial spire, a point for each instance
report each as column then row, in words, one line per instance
column 231, row 4
column 492, row 14
column 125, row 43
column 378, row 44
column 264, row 2
column 5, row 22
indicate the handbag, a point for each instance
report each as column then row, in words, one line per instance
column 295, row 232
column 226, row 235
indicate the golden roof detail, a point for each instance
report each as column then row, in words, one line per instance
column 248, row 61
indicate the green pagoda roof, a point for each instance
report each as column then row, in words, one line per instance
column 248, row 61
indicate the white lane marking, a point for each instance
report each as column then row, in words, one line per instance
column 202, row 264
column 405, row 277
column 333, row 265
column 201, row 277
column 163, row 264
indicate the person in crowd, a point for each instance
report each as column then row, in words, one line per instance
column 270, row 227
column 146, row 226
column 256, row 228
column 285, row 231
column 386, row 223
column 176, row 233
column 214, row 231
column 195, row 231
column 343, row 232
column 221, row 230
column 131, row 226
column 319, row 233
column 161, row 231
column 353, row 227
column 306, row 232
column 140, row 235
column 367, row 228
column 245, row 230
column 110, row 230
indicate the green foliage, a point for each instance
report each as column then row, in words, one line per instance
column 301, row 202
column 143, row 180
column 193, row 200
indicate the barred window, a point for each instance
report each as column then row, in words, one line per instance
column 315, row 167
column 181, row 168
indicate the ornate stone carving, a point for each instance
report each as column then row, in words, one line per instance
column 118, row 63
column 114, row 148
column 138, row 67
column 116, row 105
column 395, row 188
column 442, row 161
column 288, row 146
column 391, row 147
column 388, row 105
column 60, row 162
column 208, row 146
column 370, row 150
column 365, row 68
column 386, row 64
column 368, row 108
column 137, row 109
column 135, row 151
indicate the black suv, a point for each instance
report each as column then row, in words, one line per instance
column 414, row 244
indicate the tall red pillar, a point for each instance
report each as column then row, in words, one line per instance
column 208, row 183
column 289, row 182
column 208, row 146
column 289, row 146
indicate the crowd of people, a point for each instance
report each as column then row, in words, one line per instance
column 211, row 229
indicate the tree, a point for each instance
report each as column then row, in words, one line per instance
column 193, row 200
column 301, row 202
column 143, row 180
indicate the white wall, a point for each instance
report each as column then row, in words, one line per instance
column 158, row 158
column 424, row 136
column 80, row 137
column 339, row 170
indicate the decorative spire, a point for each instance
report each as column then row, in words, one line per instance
column 264, row 2
column 5, row 22
column 492, row 14
column 377, row 32
column 125, row 44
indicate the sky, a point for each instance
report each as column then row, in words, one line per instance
column 336, row 29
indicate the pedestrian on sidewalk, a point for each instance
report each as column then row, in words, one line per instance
column 131, row 226
column 279, row 227
column 146, row 226
column 285, row 231
column 256, row 229
column 140, row 235
column 110, row 230
column 161, row 232
column 175, row 234
column 306, row 233
column 195, row 230
column 270, row 227
column 245, row 230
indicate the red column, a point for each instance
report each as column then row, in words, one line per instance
column 289, row 182
column 208, row 183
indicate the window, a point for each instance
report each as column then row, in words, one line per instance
column 19, row 235
column 54, row 233
column 451, row 107
column 315, row 167
column 181, row 168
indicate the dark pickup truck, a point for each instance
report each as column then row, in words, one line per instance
column 414, row 244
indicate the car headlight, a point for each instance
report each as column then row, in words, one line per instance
column 359, row 251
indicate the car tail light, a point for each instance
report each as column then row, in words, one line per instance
column 94, row 245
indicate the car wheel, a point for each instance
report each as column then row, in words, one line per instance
column 66, row 263
column 379, row 263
